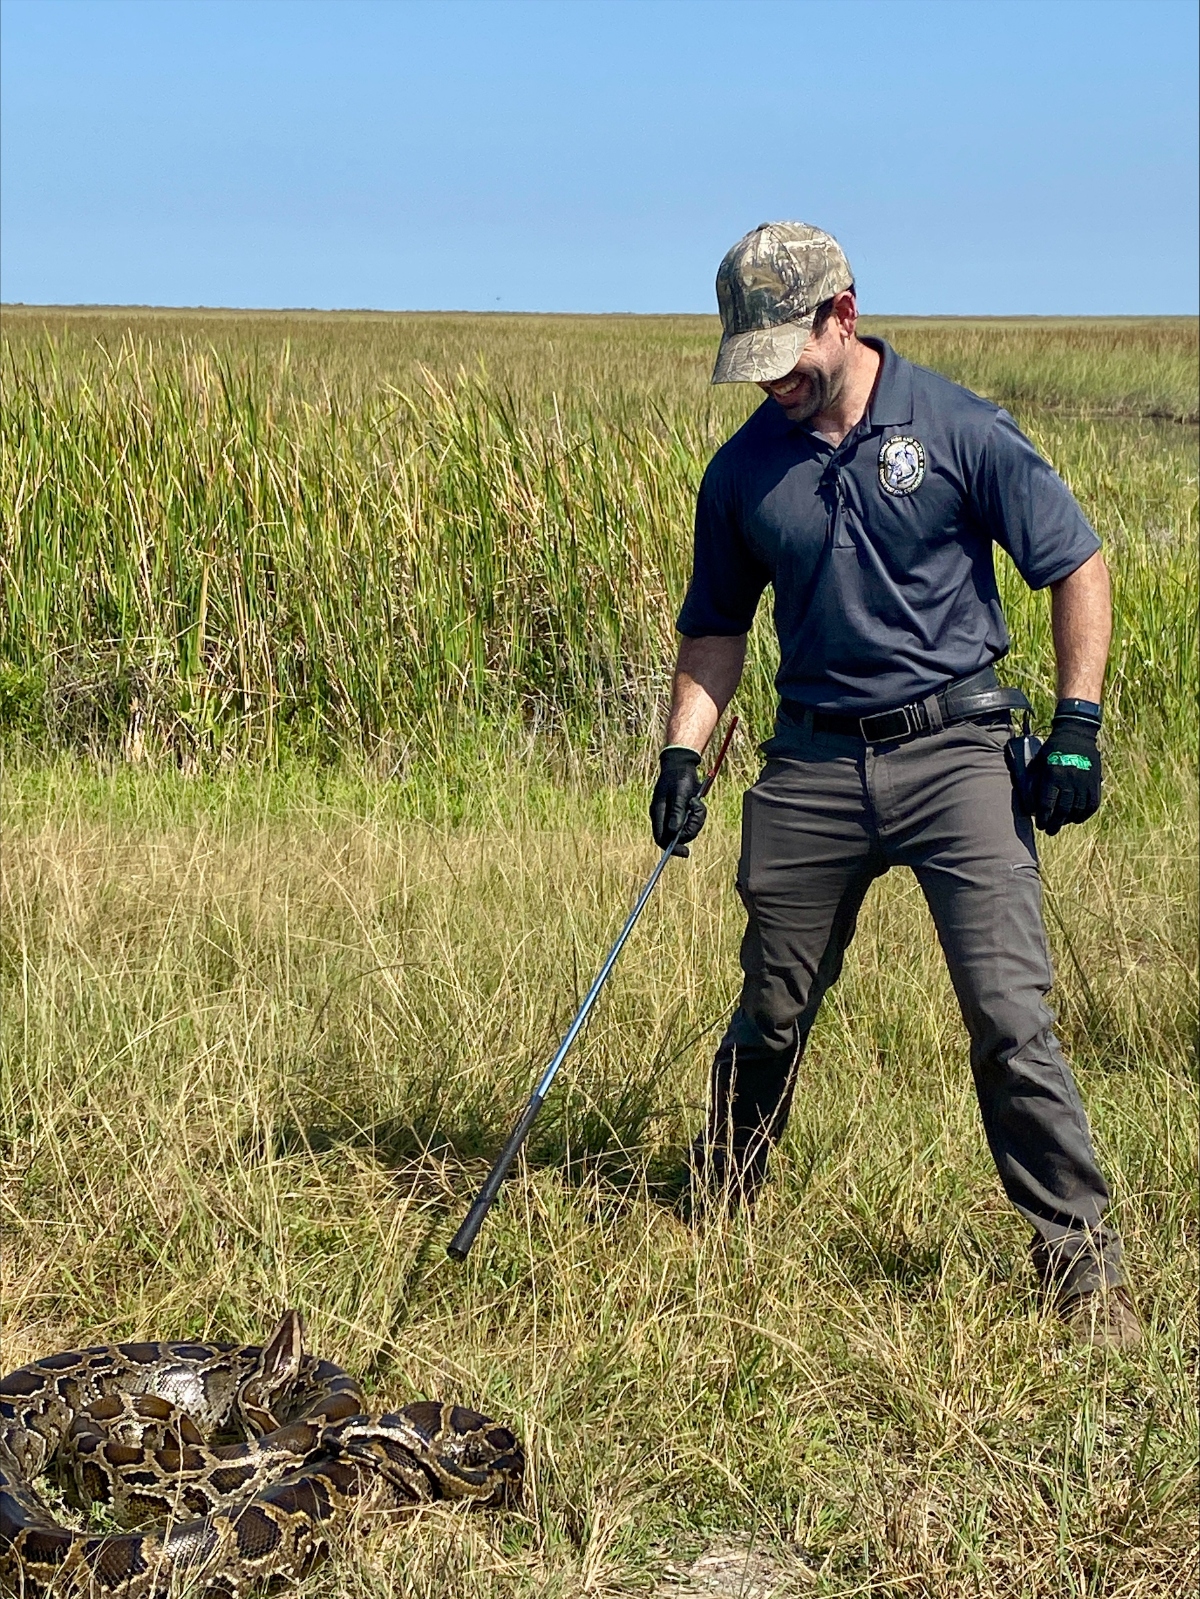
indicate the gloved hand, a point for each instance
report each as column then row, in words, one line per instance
column 674, row 799
column 1064, row 775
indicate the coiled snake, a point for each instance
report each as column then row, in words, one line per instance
column 138, row 1430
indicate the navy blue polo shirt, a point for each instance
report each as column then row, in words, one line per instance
column 879, row 550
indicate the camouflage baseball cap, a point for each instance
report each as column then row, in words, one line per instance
column 768, row 288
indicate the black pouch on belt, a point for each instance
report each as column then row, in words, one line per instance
column 981, row 692
column 1019, row 753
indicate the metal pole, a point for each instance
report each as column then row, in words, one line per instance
column 461, row 1243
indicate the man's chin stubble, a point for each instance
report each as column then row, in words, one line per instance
column 802, row 412
column 819, row 395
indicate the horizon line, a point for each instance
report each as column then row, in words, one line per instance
column 375, row 311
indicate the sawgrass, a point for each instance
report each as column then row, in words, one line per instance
column 225, row 539
column 262, row 1033
column 1117, row 366
column 329, row 679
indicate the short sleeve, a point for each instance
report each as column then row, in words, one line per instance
column 727, row 577
column 1027, row 508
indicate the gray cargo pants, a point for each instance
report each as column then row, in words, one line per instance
column 818, row 827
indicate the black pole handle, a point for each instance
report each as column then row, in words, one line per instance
column 465, row 1236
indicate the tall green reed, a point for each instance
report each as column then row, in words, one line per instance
column 205, row 555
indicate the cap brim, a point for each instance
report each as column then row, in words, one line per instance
column 763, row 354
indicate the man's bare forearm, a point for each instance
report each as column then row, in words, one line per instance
column 707, row 673
column 1081, row 616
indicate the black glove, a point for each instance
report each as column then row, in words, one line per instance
column 1064, row 775
column 674, row 799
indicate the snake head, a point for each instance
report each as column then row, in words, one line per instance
column 273, row 1376
column 432, row 1450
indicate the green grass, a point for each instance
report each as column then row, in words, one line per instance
column 1118, row 366
column 331, row 690
column 214, row 548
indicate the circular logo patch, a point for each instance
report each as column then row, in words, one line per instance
column 901, row 464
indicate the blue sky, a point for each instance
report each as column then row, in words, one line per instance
column 973, row 156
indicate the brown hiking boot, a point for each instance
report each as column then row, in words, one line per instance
column 1102, row 1317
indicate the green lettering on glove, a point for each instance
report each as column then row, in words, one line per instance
column 1064, row 775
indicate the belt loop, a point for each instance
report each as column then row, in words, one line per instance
column 933, row 710
column 809, row 719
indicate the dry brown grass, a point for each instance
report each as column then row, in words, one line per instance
column 261, row 1034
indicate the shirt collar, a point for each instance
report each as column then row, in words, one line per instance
column 892, row 398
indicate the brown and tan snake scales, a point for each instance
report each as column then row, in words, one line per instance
column 217, row 1468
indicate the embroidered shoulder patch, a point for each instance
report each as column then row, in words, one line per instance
column 901, row 464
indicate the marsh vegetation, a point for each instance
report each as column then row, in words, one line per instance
column 333, row 651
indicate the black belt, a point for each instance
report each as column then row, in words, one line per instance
column 964, row 700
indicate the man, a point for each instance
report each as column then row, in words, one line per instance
column 869, row 493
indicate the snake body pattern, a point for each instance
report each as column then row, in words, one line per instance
column 141, row 1430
